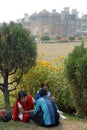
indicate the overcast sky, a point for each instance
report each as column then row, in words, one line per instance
column 11, row 10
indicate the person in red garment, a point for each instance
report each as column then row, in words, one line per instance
column 23, row 106
column 2, row 113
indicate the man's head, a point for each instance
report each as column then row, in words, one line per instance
column 42, row 92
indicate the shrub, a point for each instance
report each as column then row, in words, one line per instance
column 71, row 38
column 54, row 76
column 45, row 37
column 76, row 70
column 58, row 37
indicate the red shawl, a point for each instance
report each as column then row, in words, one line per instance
column 26, row 106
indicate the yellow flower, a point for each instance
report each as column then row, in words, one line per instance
column 62, row 57
column 46, row 63
column 55, row 59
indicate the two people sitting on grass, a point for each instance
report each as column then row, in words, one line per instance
column 46, row 87
column 45, row 113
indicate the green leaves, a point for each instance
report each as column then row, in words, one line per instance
column 16, row 46
column 76, row 71
column 17, row 52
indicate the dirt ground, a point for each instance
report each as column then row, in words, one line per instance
column 74, row 125
column 65, row 124
column 68, row 125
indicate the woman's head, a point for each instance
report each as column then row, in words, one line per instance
column 45, row 86
column 22, row 96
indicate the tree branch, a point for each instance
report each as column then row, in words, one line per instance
column 17, row 81
column 13, row 89
column 1, row 88
column 12, row 82
column 10, row 90
column 13, row 72
column 1, row 84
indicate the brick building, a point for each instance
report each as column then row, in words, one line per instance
column 54, row 23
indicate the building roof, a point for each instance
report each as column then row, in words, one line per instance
column 54, row 13
column 44, row 12
column 33, row 15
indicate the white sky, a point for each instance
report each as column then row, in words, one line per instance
column 10, row 10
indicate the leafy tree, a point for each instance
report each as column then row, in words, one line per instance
column 71, row 38
column 76, row 70
column 45, row 36
column 58, row 37
column 17, row 55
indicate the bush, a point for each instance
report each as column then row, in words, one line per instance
column 58, row 37
column 71, row 38
column 54, row 76
column 76, row 70
column 45, row 38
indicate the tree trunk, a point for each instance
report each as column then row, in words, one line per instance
column 6, row 99
column 6, row 92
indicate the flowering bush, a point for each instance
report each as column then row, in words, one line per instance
column 54, row 76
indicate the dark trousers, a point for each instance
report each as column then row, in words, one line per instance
column 37, row 119
column 40, row 121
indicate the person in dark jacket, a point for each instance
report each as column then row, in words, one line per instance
column 45, row 112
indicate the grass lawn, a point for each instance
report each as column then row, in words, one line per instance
column 52, row 51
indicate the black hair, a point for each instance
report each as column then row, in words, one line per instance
column 44, row 84
column 42, row 92
column 21, row 94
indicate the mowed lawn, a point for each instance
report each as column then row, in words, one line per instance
column 52, row 51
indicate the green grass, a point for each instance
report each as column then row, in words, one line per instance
column 74, row 117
